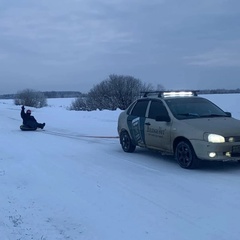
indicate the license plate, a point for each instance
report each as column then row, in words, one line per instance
column 236, row 149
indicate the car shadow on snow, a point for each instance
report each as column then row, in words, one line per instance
column 169, row 161
column 155, row 157
column 220, row 166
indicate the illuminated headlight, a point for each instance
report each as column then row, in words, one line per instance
column 214, row 138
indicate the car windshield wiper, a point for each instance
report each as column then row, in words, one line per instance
column 188, row 114
column 212, row 115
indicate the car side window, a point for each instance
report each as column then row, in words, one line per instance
column 157, row 109
column 130, row 108
column 140, row 108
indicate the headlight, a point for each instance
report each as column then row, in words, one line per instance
column 214, row 138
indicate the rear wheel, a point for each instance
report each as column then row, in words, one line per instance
column 186, row 156
column 126, row 142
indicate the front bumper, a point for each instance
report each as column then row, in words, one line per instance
column 216, row 151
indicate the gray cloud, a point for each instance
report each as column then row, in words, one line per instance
column 221, row 57
column 65, row 44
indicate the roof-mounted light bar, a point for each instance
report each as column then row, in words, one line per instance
column 170, row 93
column 178, row 94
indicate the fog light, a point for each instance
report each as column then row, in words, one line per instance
column 212, row 154
column 228, row 154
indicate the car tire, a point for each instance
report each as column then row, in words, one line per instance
column 126, row 142
column 185, row 155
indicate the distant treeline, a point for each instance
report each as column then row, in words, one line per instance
column 76, row 94
column 219, row 91
column 51, row 94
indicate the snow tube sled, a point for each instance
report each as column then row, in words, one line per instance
column 26, row 128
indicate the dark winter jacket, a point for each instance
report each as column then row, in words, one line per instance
column 28, row 120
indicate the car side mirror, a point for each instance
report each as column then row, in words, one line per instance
column 164, row 118
column 228, row 114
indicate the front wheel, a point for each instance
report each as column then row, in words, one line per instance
column 186, row 156
column 126, row 142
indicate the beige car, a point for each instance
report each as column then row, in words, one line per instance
column 181, row 124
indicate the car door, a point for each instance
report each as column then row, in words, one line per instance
column 157, row 127
column 136, row 120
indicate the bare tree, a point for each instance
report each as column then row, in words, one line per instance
column 160, row 87
column 118, row 91
column 79, row 104
column 31, row 98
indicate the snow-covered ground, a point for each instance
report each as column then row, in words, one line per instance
column 73, row 181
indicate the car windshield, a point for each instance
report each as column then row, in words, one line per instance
column 196, row 107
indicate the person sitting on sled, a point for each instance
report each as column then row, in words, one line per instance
column 30, row 121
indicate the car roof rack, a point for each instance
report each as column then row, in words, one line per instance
column 177, row 93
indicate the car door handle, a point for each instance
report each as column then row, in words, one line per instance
column 148, row 124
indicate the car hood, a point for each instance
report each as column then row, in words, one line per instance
column 225, row 126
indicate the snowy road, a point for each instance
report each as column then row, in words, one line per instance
column 56, row 184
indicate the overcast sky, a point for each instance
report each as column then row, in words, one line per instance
column 50, row 45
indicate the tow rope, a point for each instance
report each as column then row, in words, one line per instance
column 76, row 135
column 98, row 136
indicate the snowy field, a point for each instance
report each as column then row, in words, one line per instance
column 72, row 181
